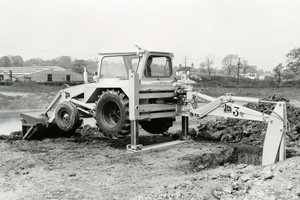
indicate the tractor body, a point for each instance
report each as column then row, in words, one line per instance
column 107, row 97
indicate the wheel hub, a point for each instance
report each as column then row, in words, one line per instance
column 65, row 117
column 112, row 114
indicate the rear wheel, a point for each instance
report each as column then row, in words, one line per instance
column 67, row 116
column 156, row 126
column 112, row 114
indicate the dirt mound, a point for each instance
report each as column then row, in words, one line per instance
column 16, row 135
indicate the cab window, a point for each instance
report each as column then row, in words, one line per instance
column 158, row 67
column 113, row 67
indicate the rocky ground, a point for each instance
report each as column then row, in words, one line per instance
column 89, row 166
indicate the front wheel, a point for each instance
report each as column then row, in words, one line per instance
column 67, row 116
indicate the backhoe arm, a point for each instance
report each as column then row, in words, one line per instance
column 231, row 107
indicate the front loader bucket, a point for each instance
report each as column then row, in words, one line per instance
column 33, row 123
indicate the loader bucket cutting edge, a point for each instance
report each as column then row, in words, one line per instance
column 32, row 124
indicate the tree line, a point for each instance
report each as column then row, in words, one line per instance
column 77, row 65
column 232, row 64
column 290, row 69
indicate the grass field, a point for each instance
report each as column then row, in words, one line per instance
column 287, row 92
column 30, row 87
column 290, row 93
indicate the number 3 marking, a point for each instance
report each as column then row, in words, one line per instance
column 236, row 112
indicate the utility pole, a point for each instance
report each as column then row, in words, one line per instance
column 10, row 75
column 238, row 75
column 185, row 58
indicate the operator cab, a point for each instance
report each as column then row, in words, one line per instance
column 116, row 65
column 156, row 67
column 151, row 66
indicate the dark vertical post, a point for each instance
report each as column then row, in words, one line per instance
column 134, row 133
column 185, row 126
column 238, row 76
column 10, row 75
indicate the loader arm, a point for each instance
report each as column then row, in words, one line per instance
column 230, row 107
column 33, row 123
column 66, row 94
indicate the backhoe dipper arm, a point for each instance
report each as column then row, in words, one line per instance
column 224, row 106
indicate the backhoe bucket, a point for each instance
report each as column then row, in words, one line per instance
column 33, row 123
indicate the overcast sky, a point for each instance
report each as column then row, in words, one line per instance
column 260, row 31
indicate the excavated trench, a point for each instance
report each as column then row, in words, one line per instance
column 247, row 155
column 220, row 154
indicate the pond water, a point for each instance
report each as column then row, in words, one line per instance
column 10, row 121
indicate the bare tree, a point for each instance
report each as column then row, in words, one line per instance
column 288, row 74
column 278, row 71
column 206, row 66
column 230, row 63
column 78, row 66
column 64, row 61
column 5, row 61
column 293, row 60
column 245, row 66
column 17, row 61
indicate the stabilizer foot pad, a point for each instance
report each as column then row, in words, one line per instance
column 141, row 148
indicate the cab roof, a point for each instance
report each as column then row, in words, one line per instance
column 133, row 53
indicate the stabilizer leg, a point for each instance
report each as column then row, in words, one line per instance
column 184, row 126
column 134, row 146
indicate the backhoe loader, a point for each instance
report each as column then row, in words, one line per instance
column 139, row 88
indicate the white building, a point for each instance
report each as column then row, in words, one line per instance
column 39, row 74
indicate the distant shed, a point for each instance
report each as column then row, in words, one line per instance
column 38, row 74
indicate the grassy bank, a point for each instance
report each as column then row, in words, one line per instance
column 38, row 96
column 291, row 93
column 41, row 95
column 30, row 87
